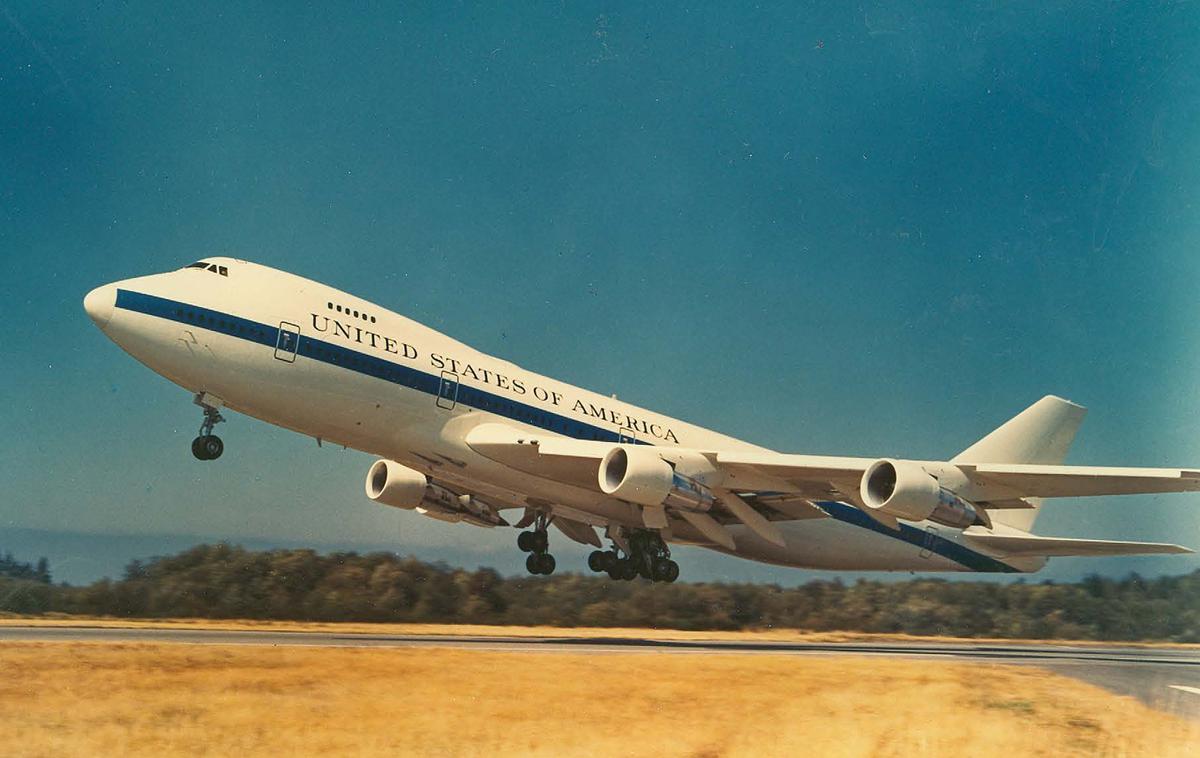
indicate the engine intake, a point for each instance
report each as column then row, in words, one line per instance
column 638, row 474
column 904, row 490
column 396, row 485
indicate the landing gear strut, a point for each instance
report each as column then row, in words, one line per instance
column 208, row 446
column 648, row 557
column 537, row 543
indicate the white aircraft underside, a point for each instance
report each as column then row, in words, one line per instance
column 465, row 437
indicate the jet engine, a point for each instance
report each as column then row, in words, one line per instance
column 637, row 474
column 904, row 490
column 399, row 486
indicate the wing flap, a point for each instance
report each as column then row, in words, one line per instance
column 815, row 476
column 1029, row 545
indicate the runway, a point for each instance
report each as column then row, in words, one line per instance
column 1165, row 678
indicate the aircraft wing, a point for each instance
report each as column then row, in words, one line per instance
column 757, row 487
column 577, row 462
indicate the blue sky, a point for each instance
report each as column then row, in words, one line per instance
column 874, row 230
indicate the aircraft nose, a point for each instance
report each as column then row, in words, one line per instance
column 99, row 304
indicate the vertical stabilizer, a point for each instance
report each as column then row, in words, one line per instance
column 1041, row 433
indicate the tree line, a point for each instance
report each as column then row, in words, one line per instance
column 224, row 581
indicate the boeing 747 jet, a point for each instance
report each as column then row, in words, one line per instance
column 462, row 436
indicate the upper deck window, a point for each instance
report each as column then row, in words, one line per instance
column 213, row 267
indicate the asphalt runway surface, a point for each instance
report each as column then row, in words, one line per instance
column 1165, row 678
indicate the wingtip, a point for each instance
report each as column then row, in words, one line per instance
column 1065, row 401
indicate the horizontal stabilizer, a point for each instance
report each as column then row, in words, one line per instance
column 1029, row 545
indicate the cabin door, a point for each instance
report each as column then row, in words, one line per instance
column 287, row 342
column 447, row 394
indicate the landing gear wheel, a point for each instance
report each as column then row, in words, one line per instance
column 207, row 447
column 665, row 570
column 629, row 571
column 541, row 542
column 213, row 447
column 672, row 571
column 525, row 542
column 610, row 559
column 596, row 561
column 540, row 563
column 658, row 571
column 645, row 568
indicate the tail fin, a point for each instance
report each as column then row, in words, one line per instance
column 1039, row 434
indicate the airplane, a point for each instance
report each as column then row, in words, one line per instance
column 465, row 437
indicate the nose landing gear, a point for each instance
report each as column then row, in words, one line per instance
column 208, row 446
column 537, row 543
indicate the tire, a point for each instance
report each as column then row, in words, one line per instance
column 672, row 572
column 660, row 570
column 540, row 542
column 213, row 447
column 629, row 571
column 525, row 542
column 596, row 561
column 546, row 564
column 644, row 567
column 198, row 449
column 532, row 564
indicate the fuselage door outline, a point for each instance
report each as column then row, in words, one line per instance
column 287, row 342
column 928, row 541
column 447, row 394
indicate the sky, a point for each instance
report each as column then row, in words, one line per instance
column 862, row 229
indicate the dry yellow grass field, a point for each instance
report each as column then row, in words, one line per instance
column 162, row 699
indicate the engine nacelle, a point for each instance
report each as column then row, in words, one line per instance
column 399, row 486
column 638, row 474
column 396, row 485
column 904, row 490
column 444, row 505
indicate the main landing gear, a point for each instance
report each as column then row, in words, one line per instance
column 537, row 543
column 208, row 446
column 648, row 557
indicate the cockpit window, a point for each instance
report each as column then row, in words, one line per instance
column 222, row 270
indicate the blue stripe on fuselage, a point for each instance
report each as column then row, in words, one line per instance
column 364, row 363
column 388, row 371
column 921, row 538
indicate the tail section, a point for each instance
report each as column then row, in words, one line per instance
column 1041, row 433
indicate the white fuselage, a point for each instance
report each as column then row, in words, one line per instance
column 305, row 356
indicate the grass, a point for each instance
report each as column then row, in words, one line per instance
column 164, row 699
column 350, row 627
